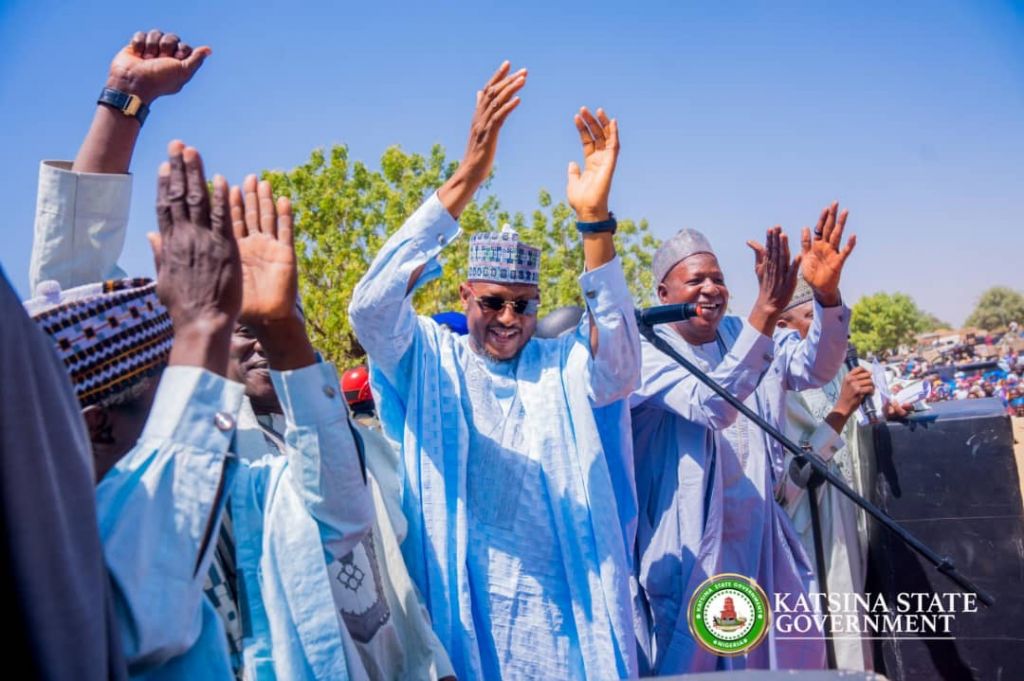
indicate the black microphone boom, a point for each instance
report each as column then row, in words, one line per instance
column 942, row 563
column 666, row 314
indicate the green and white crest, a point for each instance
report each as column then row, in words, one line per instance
column 729, row 614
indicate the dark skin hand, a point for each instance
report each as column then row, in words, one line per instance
column 152, row 65
column 199, row 271
column 776, row 278
column 823, row 259
column 266, row 240
column 493, row 105
column 856, row 387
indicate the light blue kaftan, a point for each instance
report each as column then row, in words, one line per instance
column 518, row 484
column 159, row 512
column 707, row 480
column 157, row 504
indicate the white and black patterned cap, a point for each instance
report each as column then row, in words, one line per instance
column 501, row 258
column 111, row 335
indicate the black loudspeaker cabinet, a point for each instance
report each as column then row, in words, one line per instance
column 953, row 483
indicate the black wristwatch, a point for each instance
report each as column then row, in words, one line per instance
column 608, row 225
column 129, row 105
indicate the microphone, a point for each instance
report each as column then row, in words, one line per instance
column 666, row 314
column 867, row 405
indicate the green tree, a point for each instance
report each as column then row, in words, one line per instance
column 997, row 307
column 345, row 211
column 884, row 321
column 930, row 322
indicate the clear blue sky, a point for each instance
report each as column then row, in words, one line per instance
column 734, row 116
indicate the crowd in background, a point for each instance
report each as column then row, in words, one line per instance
column 982, row 365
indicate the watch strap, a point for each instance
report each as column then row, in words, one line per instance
column 128, row 104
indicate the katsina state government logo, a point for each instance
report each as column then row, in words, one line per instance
column 729, row 614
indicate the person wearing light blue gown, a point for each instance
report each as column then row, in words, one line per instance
column 517, row 461
column 707, row 477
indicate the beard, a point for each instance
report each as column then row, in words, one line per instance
column 487, row 354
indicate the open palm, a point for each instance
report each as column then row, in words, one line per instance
column 588, row 190
column 823, row 259
column 266, row 245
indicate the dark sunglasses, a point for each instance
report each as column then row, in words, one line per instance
column 497, row 303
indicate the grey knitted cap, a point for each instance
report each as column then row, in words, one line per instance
column 685, row 243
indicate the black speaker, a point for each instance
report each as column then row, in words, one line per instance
column 951, row 479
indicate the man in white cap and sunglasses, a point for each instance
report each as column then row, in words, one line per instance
column 516, row 449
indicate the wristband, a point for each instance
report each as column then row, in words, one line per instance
column 608, row 225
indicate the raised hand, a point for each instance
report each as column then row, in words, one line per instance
column 588, row 190
column 776, row 279
column 155, row 64
column 270, row 276
column 151, row 65
column 493, row 105
column 822, row 258
column 266, row 243
column 199, row 274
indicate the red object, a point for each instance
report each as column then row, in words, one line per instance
column 729, row 611
column 355, row 383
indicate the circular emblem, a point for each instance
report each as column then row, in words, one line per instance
column 729, row 614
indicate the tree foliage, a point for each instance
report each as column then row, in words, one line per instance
column 345, row 211
column 883, row 321
column 930, row 322
column 997, row 307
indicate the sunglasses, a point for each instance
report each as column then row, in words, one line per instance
column 497, row 303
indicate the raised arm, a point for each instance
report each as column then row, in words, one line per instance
column 613, row 339
column 82, row 207
column 815, row 360
column 673, row 388
column 152, row 65
column 669, row 386
column 493, row 105
column 381, row 308
column 159, row 507
column 588, row 190
column 323, row 463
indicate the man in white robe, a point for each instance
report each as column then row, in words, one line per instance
column 707, row 478
column 516, row 449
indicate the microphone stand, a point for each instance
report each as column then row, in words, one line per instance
column 943, row 564
column 808, row 478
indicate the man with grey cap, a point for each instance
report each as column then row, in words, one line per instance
column 516, row 449
column 707, row 478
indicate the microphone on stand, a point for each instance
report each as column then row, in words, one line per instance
column 666, row 314
column 867, row 405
